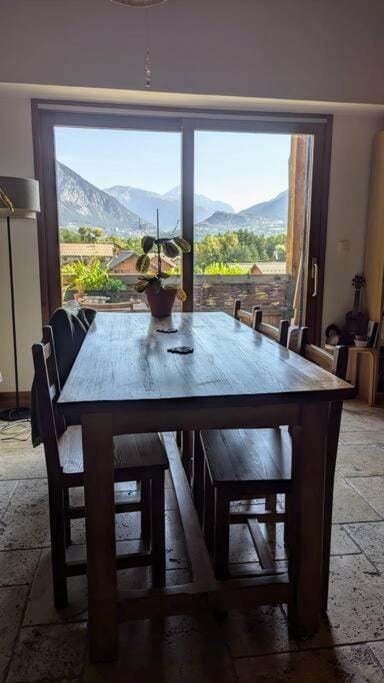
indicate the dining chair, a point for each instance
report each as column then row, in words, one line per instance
column 336, row 363
column 279, row 334
column 137, row 457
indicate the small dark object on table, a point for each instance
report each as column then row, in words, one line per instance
column 180, row 349
column 167, row 330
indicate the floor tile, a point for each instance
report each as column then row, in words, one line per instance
column 370, row 537
column 7, row 489
column 352, row 664
column 22, row 463
column 341, row 543
column 12, row 600
column 25, row 523
column 360, row 460
column 18, row 566
column 362, row 437
column 257, row 632
column 349, row 506
column 356, row 604
column 371, row 489
column 176, row 650
column 378, row 650
column 48, row 652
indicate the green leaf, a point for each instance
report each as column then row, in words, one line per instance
column 180, row 294
column 170, row 249
column 143, row 263
column 183, row 244
column 141, row 285
column 147, row 243
column 164, row 275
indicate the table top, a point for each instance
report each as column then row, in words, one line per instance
column 124, row 359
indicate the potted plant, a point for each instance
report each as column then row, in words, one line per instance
column 93, row 276
column 161, row 297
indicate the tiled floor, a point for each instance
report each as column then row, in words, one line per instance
column 39, row 644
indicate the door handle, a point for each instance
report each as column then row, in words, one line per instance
column 315, row 275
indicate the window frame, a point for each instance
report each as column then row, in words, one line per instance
column 48, row 114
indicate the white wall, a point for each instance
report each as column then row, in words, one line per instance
column 351, row 152
column 347, row 212
column 16, row 158
column 323, row 50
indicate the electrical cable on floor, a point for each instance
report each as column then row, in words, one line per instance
column 19, row 430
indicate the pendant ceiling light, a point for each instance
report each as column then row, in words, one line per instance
column 144, row 4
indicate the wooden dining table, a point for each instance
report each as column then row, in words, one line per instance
column 125, row 380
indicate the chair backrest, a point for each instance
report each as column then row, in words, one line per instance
column 254, row 319
column 51, row 424
column 245, row 317
column 335, row 362
column 279, row 334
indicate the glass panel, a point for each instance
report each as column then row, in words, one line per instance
column 251, row 214
column 111, row 185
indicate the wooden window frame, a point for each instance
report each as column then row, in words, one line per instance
column 48, row 114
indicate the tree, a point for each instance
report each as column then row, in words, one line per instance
column 91, row 235
column 67, row 235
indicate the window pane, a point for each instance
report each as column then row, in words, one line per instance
column 111, row 187
column 251, row 209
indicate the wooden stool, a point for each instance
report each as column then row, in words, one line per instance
column 137, row 457
column 242, row 464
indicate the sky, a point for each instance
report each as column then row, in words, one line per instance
column 241, row 169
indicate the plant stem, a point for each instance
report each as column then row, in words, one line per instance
column 158, row 245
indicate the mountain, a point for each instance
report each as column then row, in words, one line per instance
column 145, row 204
column 81, row 203
column 204, row 206
column 265, row 218
column 275, row 208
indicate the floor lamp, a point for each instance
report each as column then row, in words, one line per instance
column 19, row 199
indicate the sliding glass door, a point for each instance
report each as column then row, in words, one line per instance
column 249, row 192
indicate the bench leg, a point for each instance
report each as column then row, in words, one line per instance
column 145, row 497
column 271, row 502
column 158, row 530
column 221, row 551
column 57, row 526
column 209, row 512
column 68, row 539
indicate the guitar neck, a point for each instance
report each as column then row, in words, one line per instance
column 356, row 301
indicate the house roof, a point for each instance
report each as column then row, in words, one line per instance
column 77, row 249
column 122, row 256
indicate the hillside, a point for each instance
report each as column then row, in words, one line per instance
column 265, row 218
column 145, row 203
column 275, row 208
column 81, row 203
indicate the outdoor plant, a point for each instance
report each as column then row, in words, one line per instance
column 170, row 247
column 93, row 276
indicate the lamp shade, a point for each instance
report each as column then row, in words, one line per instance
column 23, row 194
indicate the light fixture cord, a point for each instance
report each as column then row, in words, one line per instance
column 148, row 64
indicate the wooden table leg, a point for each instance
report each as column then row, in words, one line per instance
column 308, row 471
column 100, row 533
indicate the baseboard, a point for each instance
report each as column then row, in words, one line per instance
column 8, row 399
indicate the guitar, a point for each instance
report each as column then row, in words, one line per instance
column 356, row 322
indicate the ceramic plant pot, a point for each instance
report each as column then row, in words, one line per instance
column 160, row 303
